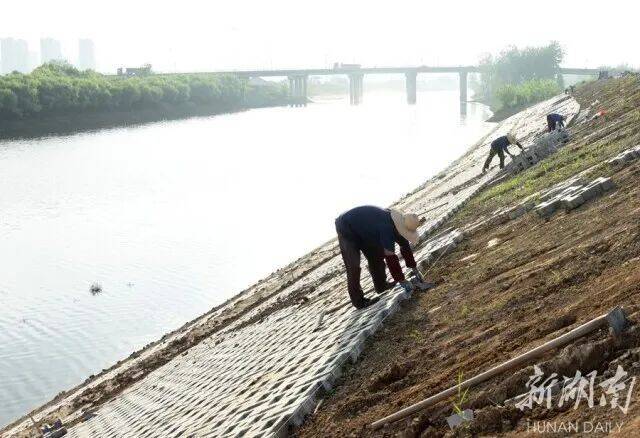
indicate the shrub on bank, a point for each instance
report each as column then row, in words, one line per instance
column 59, row 88
column 526, row 93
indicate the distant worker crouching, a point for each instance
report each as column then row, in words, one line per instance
column 555, row 121
column 498, row 147
column 375, row 231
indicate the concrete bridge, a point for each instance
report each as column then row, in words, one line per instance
column 298, row 78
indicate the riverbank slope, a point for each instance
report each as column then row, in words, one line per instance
column 261, row 362
column 309, row 289
column 515, row 282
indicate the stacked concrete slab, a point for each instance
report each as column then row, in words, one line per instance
column 625, row 157
column 262, row 378
column 572, row 194
column 540, row 149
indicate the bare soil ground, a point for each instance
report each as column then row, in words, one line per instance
column 538, row 279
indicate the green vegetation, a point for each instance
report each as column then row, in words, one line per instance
column 527, row 93
column 59, row 89
column 519, row 77
column 586, row 153
column 462, row 397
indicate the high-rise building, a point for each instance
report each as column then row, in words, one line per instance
column 50, row 50
column 34, row 60
column 86, row 54
column 14, row 55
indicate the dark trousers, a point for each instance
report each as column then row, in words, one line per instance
column 350, row 249
column 551, row 124
column 492, row 153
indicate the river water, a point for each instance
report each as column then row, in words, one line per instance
column 172, row 218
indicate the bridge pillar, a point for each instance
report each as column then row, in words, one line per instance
column 292, row 90
column 355, row 89
column 463, row 86
column 298, row 90
column 412, row 86
column 303, row 89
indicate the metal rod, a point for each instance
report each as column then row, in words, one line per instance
column 560, row 341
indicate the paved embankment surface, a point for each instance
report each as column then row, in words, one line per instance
column 258, row 365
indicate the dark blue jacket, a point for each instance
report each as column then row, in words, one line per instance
column 500, row 143
column 370, row 227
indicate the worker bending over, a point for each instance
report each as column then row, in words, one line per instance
column 498, row 147
column 375, row 231
column 555, row 120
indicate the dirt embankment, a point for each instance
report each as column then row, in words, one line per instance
column 536, row 280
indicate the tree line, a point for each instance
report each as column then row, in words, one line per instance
column 518, row 77
column 59, row 88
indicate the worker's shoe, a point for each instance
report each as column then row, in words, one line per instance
column 366, row 302
column 387, row 286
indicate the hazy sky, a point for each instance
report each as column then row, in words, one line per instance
column 208, row 35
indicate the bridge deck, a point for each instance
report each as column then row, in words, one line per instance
column 373, row 70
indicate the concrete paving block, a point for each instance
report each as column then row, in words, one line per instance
column 355, row 350
column 499, row 218
column 588, row 193
column 546, row 209
column 516, row 212
column 604, row 183
column 528, row 206
column 572, row 201
column 616, row 162
column 457, row 236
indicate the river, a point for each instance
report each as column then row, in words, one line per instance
column 172, row 218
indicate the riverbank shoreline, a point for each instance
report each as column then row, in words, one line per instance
column 519, row 278
column 504, row 114
column 86, row 122
column 283, row 289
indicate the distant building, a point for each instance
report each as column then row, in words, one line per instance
column 343, row 66
column 145, row 70
column 34, row 60
column 86, row 55
column 50, row 50
column 14, row 56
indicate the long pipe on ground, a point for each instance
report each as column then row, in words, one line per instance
column 615, row 318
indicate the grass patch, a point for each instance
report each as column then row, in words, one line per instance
column 567, row 162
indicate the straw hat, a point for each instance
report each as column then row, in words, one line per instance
column 511, row 138
column 406, row 224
